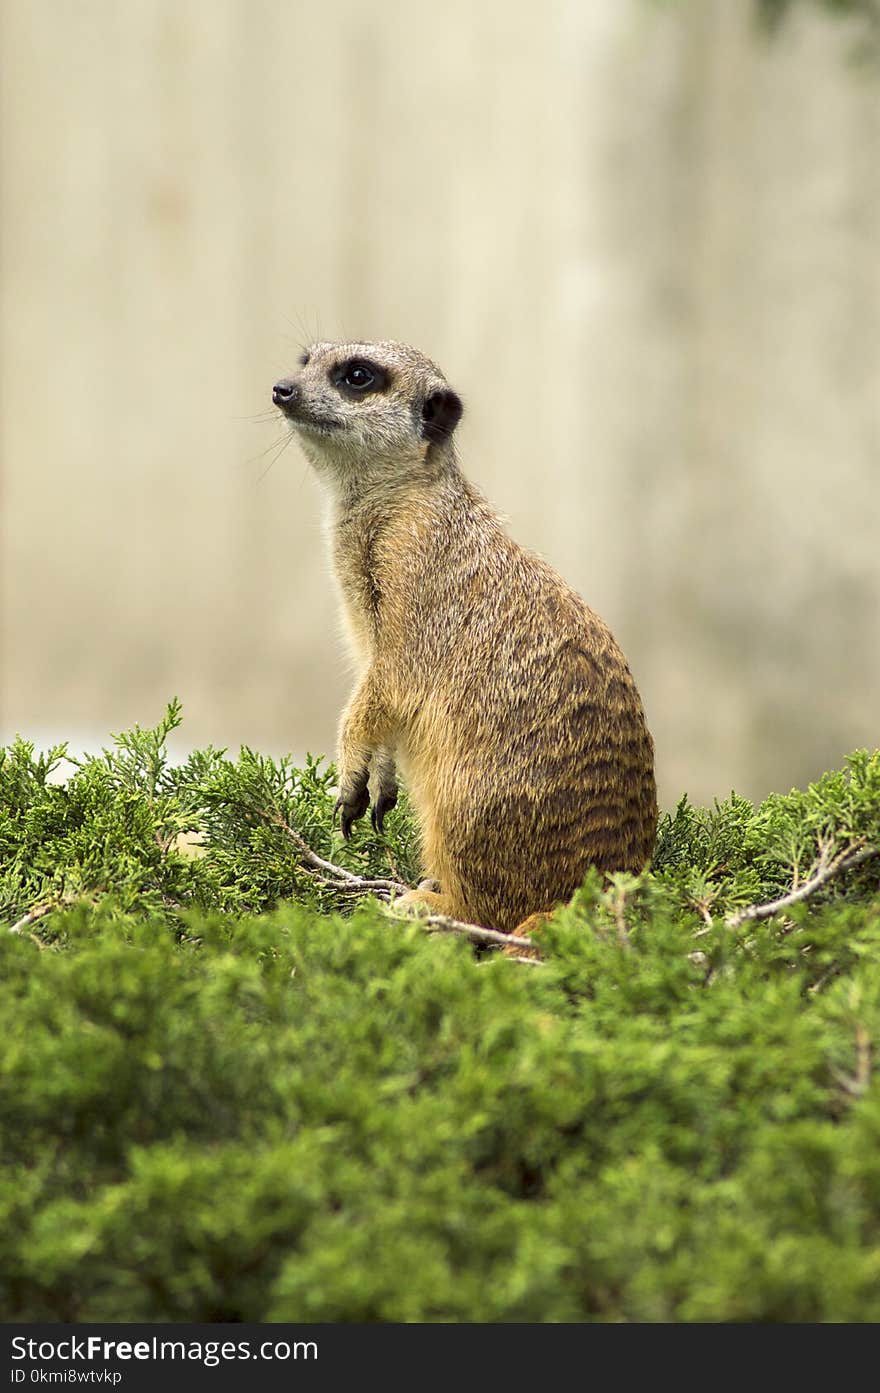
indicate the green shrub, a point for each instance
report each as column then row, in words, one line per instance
column 227, row 1093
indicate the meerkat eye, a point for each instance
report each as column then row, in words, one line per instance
column 358, row 377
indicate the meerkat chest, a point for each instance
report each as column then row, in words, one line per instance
column 358, row 632
column 359, row 594
column 381, row 569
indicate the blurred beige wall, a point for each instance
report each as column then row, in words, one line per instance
column 643, row 244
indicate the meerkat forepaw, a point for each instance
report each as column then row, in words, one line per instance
column 386, row 800
column 352, row 803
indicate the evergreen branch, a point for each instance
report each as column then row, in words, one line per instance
column 825, row 869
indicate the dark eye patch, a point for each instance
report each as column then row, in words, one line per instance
column 359, row 377
column 304, row 359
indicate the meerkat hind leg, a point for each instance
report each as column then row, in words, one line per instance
column 527, row 929
column 428, row 899
column 431, row 900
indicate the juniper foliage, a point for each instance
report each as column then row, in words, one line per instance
column 227, row 1093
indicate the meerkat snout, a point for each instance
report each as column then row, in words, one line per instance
column 284, row 393
column 502, row 697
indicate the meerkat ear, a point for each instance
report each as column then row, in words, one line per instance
column 441, row 413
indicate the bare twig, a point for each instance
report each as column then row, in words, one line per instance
column 391, row 863
column 441, row 923
column 32, row 916
column 826, row 867
column 333, row 876
column 345, row 882
column 827, row 976
column 857, row 1084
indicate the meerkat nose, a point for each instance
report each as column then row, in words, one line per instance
column 284, row 392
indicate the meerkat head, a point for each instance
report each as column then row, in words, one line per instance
column 369, row 411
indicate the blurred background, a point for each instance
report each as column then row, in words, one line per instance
column 642, row 240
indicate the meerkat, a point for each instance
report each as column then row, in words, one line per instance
column 502, row 697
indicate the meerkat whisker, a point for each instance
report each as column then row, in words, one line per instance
column 274, row 460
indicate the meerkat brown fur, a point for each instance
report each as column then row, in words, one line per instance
column 503, row 698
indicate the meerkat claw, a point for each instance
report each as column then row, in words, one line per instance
column 351, row 809
column 384, row 803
